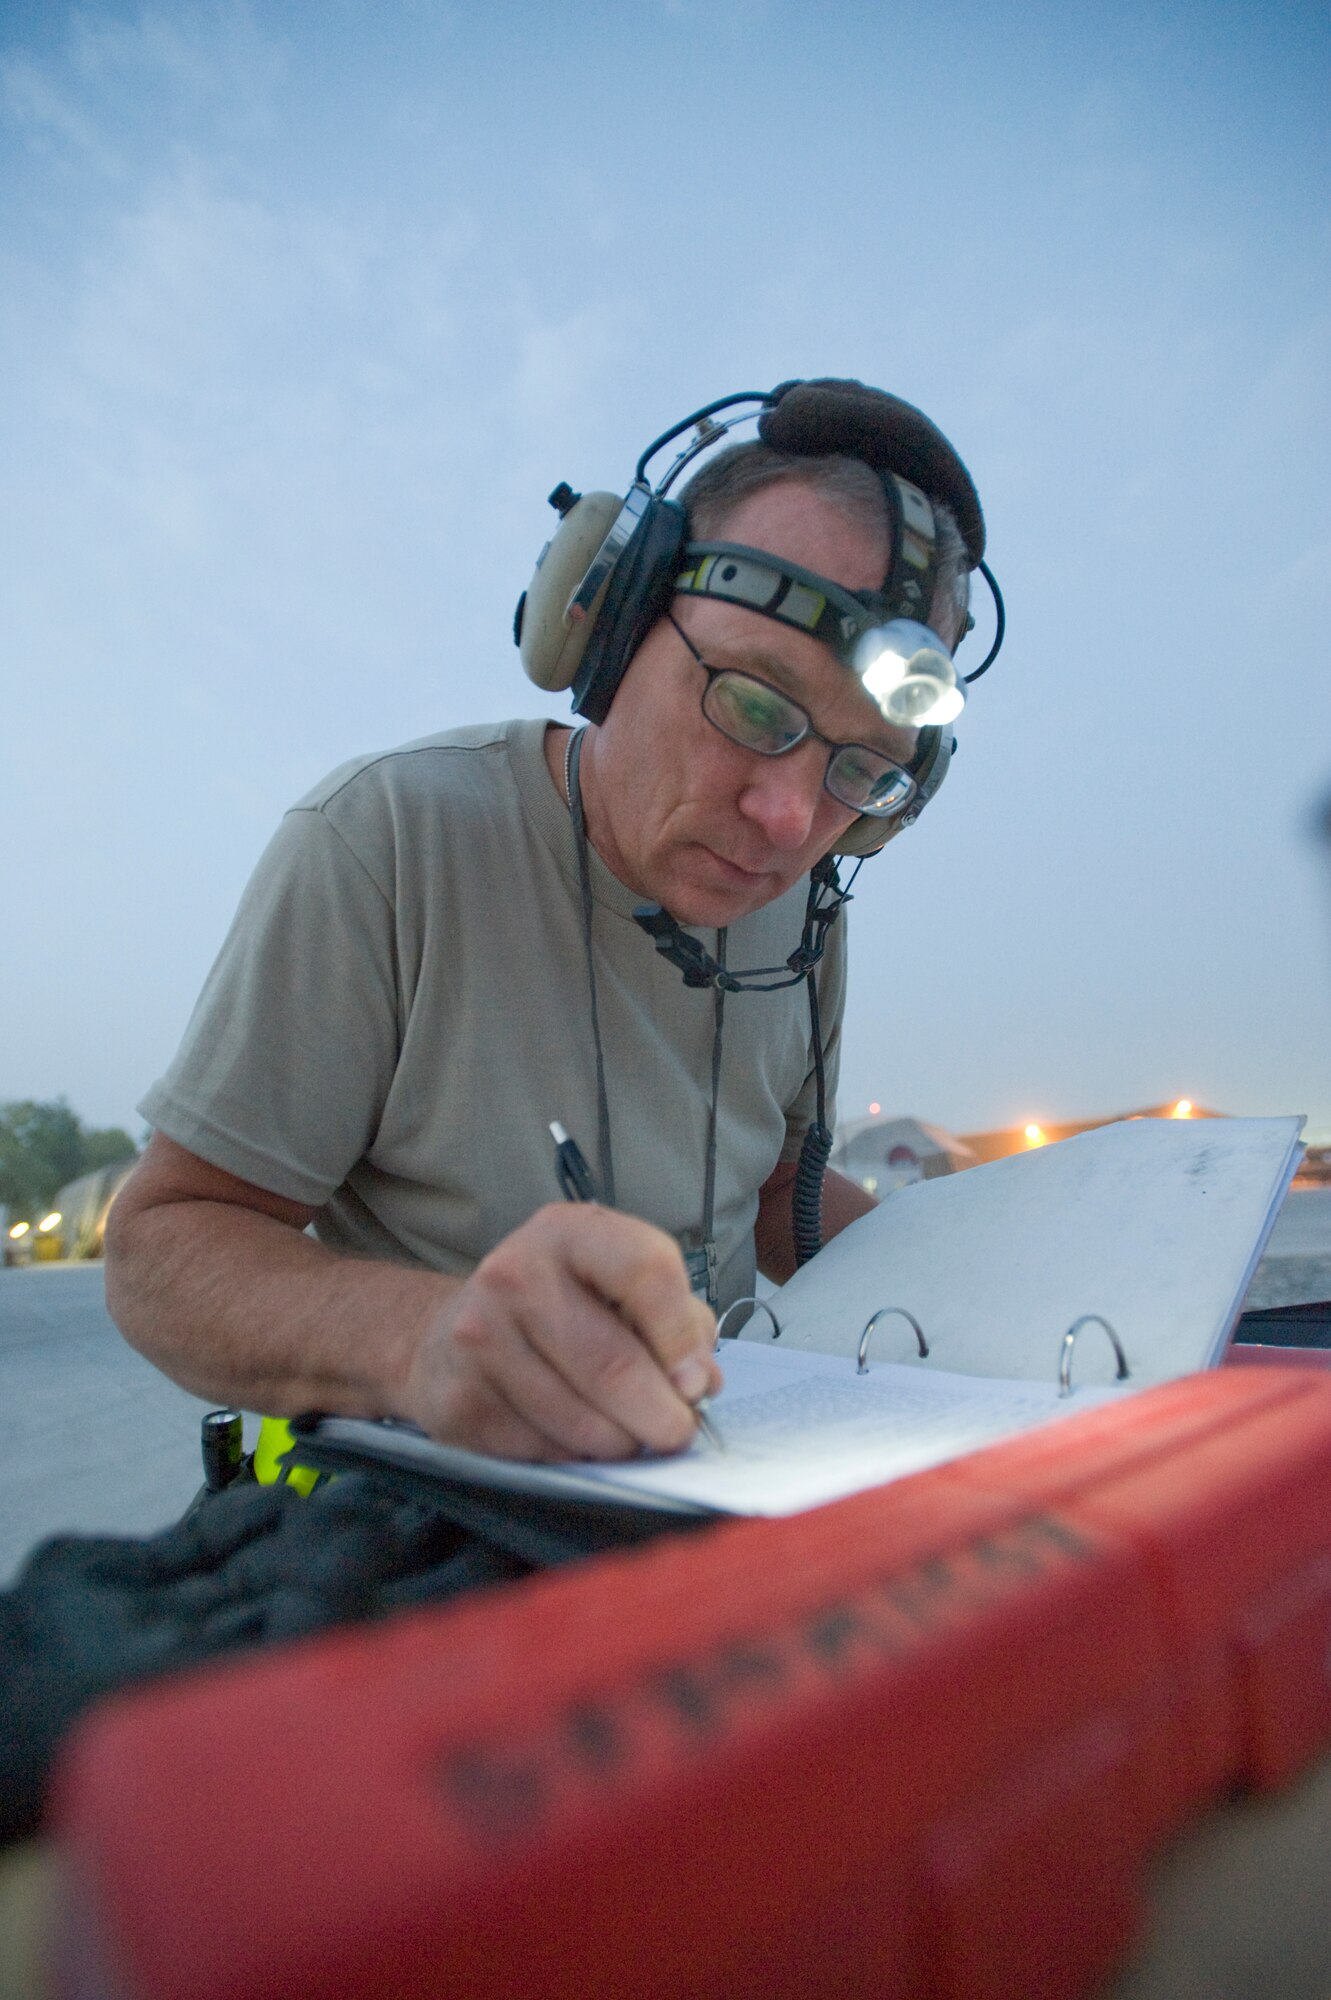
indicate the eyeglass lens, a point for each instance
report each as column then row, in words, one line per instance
column 761, row 718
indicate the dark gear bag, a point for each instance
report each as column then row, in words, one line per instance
column 253, row 1566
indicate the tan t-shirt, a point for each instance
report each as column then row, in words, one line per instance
column 401, row 1007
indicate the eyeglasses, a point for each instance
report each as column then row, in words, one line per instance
column 759, row 717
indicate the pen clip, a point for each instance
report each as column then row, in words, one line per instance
column 571, row 1169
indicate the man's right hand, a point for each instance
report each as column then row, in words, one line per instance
column 576, row 1337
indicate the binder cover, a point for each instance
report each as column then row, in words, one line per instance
column 920, row 1742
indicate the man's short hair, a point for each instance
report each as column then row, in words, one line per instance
column 732, row 476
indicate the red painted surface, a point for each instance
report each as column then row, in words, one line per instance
column 918, row 1743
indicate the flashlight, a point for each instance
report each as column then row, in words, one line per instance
column 908, row 671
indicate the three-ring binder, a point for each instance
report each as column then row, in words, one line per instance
column 1122, row 1374
column 752, row 1299
column 862, row 1352
column 1069, row 1342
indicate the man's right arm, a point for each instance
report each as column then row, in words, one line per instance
column 577, row 1336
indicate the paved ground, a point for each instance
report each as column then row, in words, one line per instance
column 97, row 1441
column 94, row 1438
column 1297, row 1265
column 1303, row 1226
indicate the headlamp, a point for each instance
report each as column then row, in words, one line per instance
column 908, row 672
column 903, row 665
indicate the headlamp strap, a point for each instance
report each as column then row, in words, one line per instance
column 782, row 590
column 827, row 611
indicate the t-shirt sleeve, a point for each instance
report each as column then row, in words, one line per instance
column 831, row 983
column 290, row 1052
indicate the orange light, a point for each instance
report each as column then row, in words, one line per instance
column 1183, row 1109
column 874, row 1110
column 1035, row 1137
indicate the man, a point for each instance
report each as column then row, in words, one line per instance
column 437, row 957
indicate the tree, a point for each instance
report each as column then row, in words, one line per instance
column 106, row 1146
column 45, row 1146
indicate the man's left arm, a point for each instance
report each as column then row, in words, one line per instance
column 774, row 1234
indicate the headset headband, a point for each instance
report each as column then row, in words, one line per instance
column 826, row 417
column 613, row 566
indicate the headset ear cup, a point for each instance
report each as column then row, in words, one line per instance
column 930, row 765
column 866, row 836
column 638, row 593
column 929, row 768
column 551, row 648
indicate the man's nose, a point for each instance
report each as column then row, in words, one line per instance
column 783, row 794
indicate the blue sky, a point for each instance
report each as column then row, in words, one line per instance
column 304, row 308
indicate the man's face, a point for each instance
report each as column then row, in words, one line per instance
column 685, row 817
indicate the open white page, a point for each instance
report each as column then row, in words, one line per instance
column 800, row 1429
column 1158, row 1224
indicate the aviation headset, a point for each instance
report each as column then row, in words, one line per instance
column 614, row 563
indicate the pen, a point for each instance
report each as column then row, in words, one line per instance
column 575, row 1178
column 706, row 1424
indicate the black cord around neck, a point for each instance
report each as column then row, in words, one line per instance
column 826, row 899
column 605, row 1153
column 691, row 957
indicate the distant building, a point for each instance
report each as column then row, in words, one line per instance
column 887, row 1153
column 84, row 1205
column 1024, row 1138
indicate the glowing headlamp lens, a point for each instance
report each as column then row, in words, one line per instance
column 906, row 669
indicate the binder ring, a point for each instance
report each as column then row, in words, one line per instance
column 1070, row 1341
column 862, row 1357
column 734, row 1306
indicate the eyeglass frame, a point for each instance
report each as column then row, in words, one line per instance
column 737, row 673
